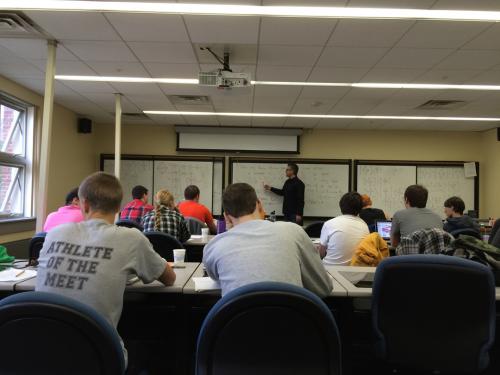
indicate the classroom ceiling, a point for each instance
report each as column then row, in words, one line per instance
column 277, row 49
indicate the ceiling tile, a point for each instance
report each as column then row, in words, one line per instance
column 100, row 51
column 486, row 40
column 288, row 55
column 439, row 34
column 235, row 121
column 309, row 2
column 467, row 5
column 241, row 54
column 324, row 93
column 169, row 119
column 329, row 123
column 351, row 57
column 266, row 122
column 34, row 49
column 185, row 89
column 107, row 102
column 136, row 88
column 449, row 76
column 471, row 59
column 66, row 67
column 20, row 69
column 392, row 75
column 265, row 104
column 236, row 68
column 202, row 120
column 159, row 70
column 413, row 58
column 75, row 25
column 317, row 106
column 335, row 74
column 163, row 52
column 277, row 91
column 295, row 31
column 414, row 4
column 305, row 123
column 219, row 29
column 368, row 33
column 90, row 87
column 118, row 68
column 7, row 56
column 151, row 102
column 282, row 73
column 138, row 27
column 490, row 77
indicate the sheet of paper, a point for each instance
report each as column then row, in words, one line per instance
column 195, row 236
column 205, row 283
column 14, row 274
column 470, row 170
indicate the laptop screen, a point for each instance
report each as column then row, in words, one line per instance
column 384, row 229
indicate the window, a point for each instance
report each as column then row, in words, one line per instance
column 16, row 146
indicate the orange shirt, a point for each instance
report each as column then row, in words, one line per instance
column 196, row 210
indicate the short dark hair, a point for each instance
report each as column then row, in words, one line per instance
column 239, row 199
column 102, row 191
column 295, row 168
column 139, row 191
column 416, row 195
column 351, row 203
column 456, row 204
column 71, row 195
column 191, row 192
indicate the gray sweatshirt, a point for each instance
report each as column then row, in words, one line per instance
column 260, row 250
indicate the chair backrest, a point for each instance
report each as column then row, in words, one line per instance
column 194, row 225
column 434, row 312
column 36, row 244
column 269, row 328
column 163, row 244
column 467, row 231
column 313, row 230
column 45, row 333
column 129, row 224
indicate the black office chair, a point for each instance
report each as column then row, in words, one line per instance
column 35, row 246
column 195, row 225
column 46, row 333
column 269, row 328
column 129, row 224
column 434, row 312
column 313, row 230
column 164, row 244
column 467, row 231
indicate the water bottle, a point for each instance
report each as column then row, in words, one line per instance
column 272, row 216
column 221, row 226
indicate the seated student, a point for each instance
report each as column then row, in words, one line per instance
column 192, row 208
column 138, row 207
column 341, row 235
column 256, row 250
column 371, row 215
column 70, row 213
column 415, row 216
column 495, row 234
column 455, row 219
column 166, row 218
column 90, row 261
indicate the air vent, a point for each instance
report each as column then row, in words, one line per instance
column 442, row 104
column 189, row 99
column 135, row 115
column 13, row 25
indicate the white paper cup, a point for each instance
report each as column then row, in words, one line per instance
column 204, row 233
column 179, row 255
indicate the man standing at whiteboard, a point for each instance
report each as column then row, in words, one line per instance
column 292, row 193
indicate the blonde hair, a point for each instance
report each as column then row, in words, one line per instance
column 162, row 198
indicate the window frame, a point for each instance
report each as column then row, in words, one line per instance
column 22, row 161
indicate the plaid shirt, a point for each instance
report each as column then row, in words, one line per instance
column 171, row 222
column 135, row 210
column 426, row 241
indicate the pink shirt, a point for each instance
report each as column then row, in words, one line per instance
column 65, row 214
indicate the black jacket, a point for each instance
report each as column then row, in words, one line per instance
column 462, row 222
column 293, row 196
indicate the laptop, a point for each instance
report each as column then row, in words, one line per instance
column 384, row 229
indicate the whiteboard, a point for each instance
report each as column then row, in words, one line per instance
column 386, row 184
column 218, row 187
column 176, row 175
column 132, row 173
column 324, row 185
column 445, row 182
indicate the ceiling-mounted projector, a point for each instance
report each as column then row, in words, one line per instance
column 224, row 79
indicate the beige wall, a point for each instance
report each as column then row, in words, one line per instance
column 72, row 154
column 346, row 144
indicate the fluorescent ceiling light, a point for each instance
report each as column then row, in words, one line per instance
column 286, row 115
column 185, row 81
column 251, row 10
column 369, row 85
